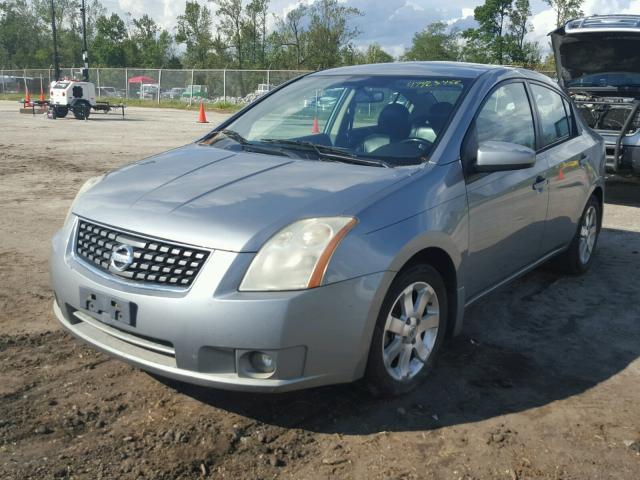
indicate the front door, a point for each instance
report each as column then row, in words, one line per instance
column 507, row 209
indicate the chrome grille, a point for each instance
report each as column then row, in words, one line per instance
column 154, row 261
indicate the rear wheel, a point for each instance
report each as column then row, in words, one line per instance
column 81, row 110
column 409, row 331
column 578, row 258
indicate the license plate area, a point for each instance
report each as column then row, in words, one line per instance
column 108, row 309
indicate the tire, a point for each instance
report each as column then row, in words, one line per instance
column 82, row 110
column 577, row 259
column 61, row 112
column 417, row 338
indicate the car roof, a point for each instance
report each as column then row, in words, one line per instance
column 436, row 69
column 457, row 69
column 602, row 23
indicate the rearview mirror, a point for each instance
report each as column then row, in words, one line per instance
column 369, row 96
column 496, row 156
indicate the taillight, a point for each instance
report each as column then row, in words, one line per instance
column 63, row 94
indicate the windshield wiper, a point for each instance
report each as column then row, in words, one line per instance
column 326, row 152
column 251, row 146
column 233, row 135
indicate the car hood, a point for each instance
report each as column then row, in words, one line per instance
column 594, row 52
column 214, row 198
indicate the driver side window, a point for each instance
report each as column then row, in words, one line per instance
column 507, row 117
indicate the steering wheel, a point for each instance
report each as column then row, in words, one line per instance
column 422, row 144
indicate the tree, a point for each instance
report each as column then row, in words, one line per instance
column 434, row 43
column 108, row 44
column 152, row 43
column 519, row 50
column 565, row 10
column 194, row 30
column 232, row 22
column 256, row 24
column 492, row 18
column 375, row 54
column 291, row 33
column 501, row 34
column 329, row 32
column 20, row 40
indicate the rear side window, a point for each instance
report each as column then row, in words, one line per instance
column 554, row 119
column 506, row 117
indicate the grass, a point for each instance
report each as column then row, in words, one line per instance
column 15, row 97
column 221, row 107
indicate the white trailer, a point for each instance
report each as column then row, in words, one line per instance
column 78, row 97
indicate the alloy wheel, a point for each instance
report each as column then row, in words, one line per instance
column 410, row 331
column 588, row 234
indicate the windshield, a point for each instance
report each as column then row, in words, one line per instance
column 382, row 120
column 607, row 79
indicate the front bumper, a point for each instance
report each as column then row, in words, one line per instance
column 629, row 162
column 203, row 335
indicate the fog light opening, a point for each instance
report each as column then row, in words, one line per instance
column 262, row 362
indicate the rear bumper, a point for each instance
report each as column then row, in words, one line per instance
column 204, row 335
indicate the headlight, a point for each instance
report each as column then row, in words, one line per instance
column 297, row 256
column 83, row 189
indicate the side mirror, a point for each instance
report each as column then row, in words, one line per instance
column 497, row 156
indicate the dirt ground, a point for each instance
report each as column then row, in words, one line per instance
column 544, row 382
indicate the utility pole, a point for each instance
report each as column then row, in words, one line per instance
column 56, row 60
column 85, row 49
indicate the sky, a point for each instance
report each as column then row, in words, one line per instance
column 390, row 23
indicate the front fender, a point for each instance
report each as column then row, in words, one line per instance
column 390, row 248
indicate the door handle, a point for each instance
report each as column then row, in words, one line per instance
column 539, row 183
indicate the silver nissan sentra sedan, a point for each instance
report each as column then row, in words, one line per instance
column 297, row 246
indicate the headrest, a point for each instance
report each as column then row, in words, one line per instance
column 394, row 120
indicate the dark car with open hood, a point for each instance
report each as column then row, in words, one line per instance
column 598, row 64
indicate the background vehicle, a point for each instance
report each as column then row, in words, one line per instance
column 598, row 64
column 71, row 95
column 149, row 90
column 172, row 94
column 262, row 89
column 342, row 245
column 107, row 92
column 197, row 92
column 78, row 97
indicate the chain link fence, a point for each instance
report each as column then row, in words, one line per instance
column 155, row 85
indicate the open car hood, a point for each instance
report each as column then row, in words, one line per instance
column 589, row 51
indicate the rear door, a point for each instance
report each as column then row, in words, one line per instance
column 566, row 152
column 507, row 209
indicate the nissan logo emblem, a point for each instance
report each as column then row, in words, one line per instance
column 121, row 257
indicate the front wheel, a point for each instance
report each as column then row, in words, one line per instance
column 409, row 332
column 60, row 112
column 579, row 256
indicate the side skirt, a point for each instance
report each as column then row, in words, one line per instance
column 510, row 278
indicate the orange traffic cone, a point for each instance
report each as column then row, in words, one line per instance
column 316, row 128
column 41, row 96
column 202, row 117
column 27, row 98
